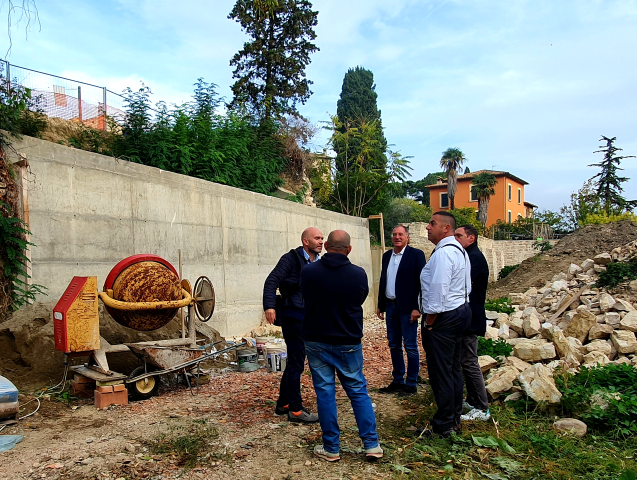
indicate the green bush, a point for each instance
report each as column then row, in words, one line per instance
column 404, row 210
column 602, row 218
column 500, row 305
column 486, row 346
column 605, row 398
column 617, row 273
column 542, row 245
column 504, row 271
column 466, row 216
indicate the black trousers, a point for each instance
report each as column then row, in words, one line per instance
column 442, row 348
column 290, row 389
column 473, row 379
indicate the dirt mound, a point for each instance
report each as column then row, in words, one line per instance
column 584, row 243
column 28, row 356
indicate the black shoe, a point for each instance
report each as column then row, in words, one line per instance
column 393, row 387
column 281, row 410
column 408, row 390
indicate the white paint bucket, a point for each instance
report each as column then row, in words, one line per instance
column 261, row 341
column 276, row 355
column 247, row 360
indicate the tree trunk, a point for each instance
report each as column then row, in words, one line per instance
column 483, row 212
column 452, row 186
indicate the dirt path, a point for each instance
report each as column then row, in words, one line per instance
column 235, row 412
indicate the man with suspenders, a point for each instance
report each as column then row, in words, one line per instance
column 445, row 286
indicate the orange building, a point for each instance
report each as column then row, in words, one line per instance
column 507, row 204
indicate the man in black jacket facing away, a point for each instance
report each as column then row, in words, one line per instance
column 289, row 314
column 477, row 399
column 398, row 305
column 334, row 291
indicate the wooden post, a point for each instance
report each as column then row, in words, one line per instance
column 382, row 232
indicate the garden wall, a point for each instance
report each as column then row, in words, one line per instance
column 87, row 212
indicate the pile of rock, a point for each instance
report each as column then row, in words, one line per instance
column 568, row 323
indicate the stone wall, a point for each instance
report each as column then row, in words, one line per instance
column 499, row 253
column 87, row 212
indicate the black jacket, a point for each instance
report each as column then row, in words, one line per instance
column 478, row 295
column 334, row 290
column 286, row 276
column 407, row 280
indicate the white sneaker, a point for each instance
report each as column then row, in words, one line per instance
column 476, row 414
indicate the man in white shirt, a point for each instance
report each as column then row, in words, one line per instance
column 445, row 285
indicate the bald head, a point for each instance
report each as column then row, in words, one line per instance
column 338, row 241
column 312, row 241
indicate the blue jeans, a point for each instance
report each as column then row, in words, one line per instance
column 400, row 330
column 346, row 361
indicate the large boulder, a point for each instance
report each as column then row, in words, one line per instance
column 486, row 363
column 501, row 381
column 574, row 269
column 531, row 323
column 595, row 358
column 504, row 331
column 518, row 363
column 537, row 382
column 516, row 322
column 612, row 318
column 565, row 349
column 581, row 324
column 518, row 299
column 606, row 302
column 629, row 322
column 559, row 286
column 534, row 352
column 603, row 259
column 601, row 330
column 491, row 333
column 503, row 319
column 587, row 264
column 570, row 426
column 491, row 315
column 624, row 341
column 623, row 306
column 599, row 346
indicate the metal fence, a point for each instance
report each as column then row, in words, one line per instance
column 73, row 100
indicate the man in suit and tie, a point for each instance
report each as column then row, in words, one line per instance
column 398, row 305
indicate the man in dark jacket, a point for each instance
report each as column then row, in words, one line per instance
column 477, row 399
column 334, row 291
column 398, row 305
column 289, row 314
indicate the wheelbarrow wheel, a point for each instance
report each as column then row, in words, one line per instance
column 145, row 388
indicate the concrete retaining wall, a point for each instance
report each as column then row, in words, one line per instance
column 88, row 211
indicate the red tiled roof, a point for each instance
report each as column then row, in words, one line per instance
column 472, row 174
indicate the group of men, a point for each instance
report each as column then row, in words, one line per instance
column 320, row 310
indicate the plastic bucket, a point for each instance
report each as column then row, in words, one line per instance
column 247, row 360
column 276, row 355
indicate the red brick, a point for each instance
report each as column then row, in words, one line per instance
column 103, row 400
column 82, row 390
column 107, row 389
column 119, row 388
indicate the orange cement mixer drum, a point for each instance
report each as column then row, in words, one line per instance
column 147, row 280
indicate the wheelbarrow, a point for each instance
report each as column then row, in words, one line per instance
column 143, row 382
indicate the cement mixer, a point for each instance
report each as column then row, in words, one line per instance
column 142, row 292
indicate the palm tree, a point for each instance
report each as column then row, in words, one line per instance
column 483, row 184
column 452, row 159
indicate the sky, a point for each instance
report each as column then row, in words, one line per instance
column 528, row 87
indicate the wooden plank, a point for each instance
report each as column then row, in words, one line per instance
column 97, row 376
column 567, row 302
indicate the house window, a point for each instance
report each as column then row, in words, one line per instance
column 519, row 196
column 472, row 195
column 444, row 200
column 509, row 216
column 510, row 192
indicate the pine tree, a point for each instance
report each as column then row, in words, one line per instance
column 608, row 183
column 270, row 69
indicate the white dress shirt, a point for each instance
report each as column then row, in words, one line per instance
column 446, row 279
column 392, row 270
